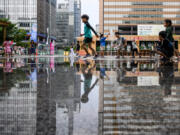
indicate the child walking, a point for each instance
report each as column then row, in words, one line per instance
column 120, row 44
column 135, row 49
column 88, row 36
column 103, row 44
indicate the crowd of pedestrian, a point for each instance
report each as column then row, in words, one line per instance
column 166, row 47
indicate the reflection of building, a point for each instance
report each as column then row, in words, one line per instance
column 124, row 15
column 68, row 102
column 58, row 98
column 18, row 110
column 131, row 109
column 26, row 12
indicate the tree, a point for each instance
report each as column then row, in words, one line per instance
column 13, row 33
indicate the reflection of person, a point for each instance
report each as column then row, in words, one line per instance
column 134, row 66
column 87, row 73
column 33, row 77
column 103, row 71
column 121, row 73
column 8, row 66
column 7, row 45
column 166, row 74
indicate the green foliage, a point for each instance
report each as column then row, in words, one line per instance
column 23, row 44
column 66, row 48
column 13, row 33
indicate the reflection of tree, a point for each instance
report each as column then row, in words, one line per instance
column 8, row 80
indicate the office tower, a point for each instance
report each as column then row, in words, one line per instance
column 64, row 23
column 77, row 18
column 68, row 21
column 25, row 13
column 125, row 15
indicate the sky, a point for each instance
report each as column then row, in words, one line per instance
column 91, row 7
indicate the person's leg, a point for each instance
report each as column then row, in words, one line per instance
column 103, row 52
column 123, row 53
column 176, row 53
column 133, row 55
column 118, row 53
column 137, row 52
column 176, row 50
column 90, row 47
column 85, row 48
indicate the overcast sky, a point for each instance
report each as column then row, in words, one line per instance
column 91, row 7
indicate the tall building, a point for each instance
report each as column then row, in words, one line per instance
column 68, row 21
column 77, row 18
column 64, row 23
column 125, row 15
column 24, row 13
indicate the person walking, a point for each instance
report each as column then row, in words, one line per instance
column 120, row 45
column 7, row 46
column 33, row 48
column 103, row 44
column 88, row 37
column 169, row 35
column 77, row 48
column 52, row 47
column 165, row 47
column 135, row 49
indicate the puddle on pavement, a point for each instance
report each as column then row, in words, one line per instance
column 52, row 96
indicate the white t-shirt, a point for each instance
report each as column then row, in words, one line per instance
column 134, row 45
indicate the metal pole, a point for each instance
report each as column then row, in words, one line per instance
column 50, row 21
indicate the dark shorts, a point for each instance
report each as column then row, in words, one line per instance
column 87, row 40
column 135, row 50
column 168, row 53
column 78, row 48
column 33, row 50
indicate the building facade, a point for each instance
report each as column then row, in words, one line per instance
column 77, row 18
column 25, row 13
column 68, row 21
column 125, row 15
column 64, row 23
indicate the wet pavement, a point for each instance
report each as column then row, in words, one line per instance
column 58, row 96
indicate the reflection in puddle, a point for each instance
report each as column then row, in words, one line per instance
column 49, row 96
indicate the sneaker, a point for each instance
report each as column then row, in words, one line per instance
column 87, row 55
